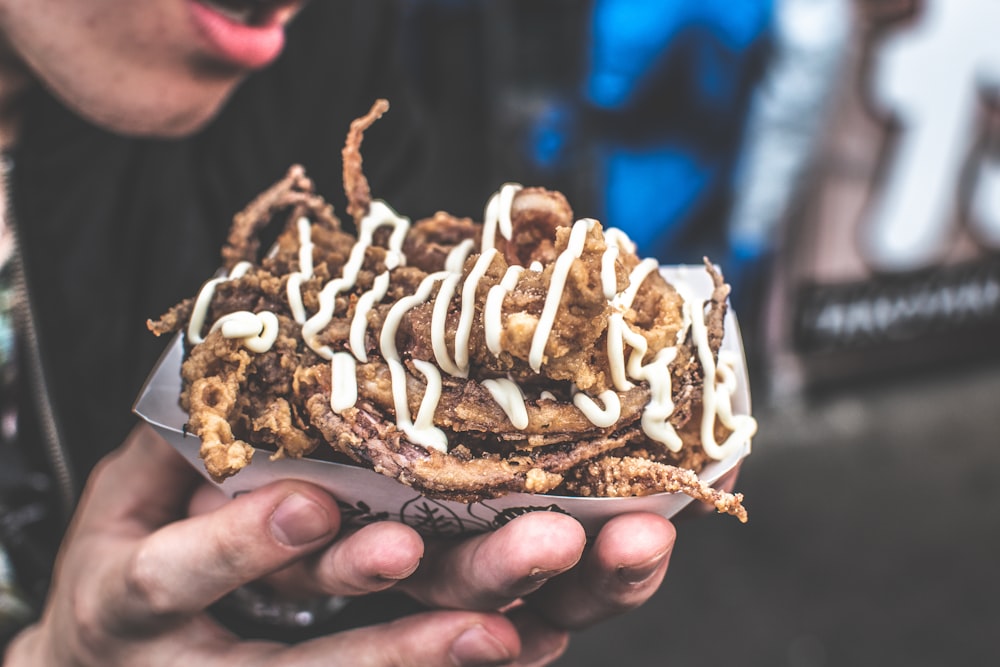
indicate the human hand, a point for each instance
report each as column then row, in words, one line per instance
column 134, row 578
column 505, row 569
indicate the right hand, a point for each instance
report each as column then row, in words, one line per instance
column 135, row 576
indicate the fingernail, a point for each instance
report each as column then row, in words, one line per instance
column 477, row 648
column 637, row 574
column 298, row 521
column 399, row 576
column 532, row 582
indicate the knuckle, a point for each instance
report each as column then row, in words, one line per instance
column 91, row 634
column 144, row 583
column 229, row 552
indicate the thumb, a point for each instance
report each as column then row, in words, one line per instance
column 184, row 566
column 431, row 639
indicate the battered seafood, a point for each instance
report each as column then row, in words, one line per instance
column 532, row 352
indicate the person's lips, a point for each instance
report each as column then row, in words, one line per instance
column 246, row 33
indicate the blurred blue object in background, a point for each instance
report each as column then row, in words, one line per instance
column 668, row 84
column 632, row 38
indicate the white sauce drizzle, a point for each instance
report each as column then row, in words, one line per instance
column 257, row 331
column 294, row 285
column 616, row 237
column 359, row 324
column 423, row 431
column 510, row 398
column 536, row 266
column 455, row 261
column 497, row 214
column 438, row 320
column 577, row 238
column 635, row 280
column 656, row 415
column 315, row 324
column 428, row 436
column 204, row 300
column 493, row 309
column 468, row 311
column 343, row 382
column 379, row 214
column 716, row 397
column 600, row 417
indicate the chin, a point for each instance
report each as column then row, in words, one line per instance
column 170, row 115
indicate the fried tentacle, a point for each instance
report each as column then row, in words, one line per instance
column 616, row 477
column 356, row 187
column 243, row 242
column 211, row 401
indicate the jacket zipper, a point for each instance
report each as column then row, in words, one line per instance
column 52, row 438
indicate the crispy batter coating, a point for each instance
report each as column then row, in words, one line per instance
column 616, row 477
column 280, row 399
column 356, row 187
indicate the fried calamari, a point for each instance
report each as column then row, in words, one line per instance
column 528, row 353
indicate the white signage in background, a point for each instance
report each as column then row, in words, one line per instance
column 929, row 77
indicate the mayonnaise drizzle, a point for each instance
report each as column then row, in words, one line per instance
column 493, row 309
column 468, row 312
column 574, row 248
column 656, row 415
column 315, row 324
column 455, row 261
column 439, row 318
column 359, row 323
column 257, row 331
column 510, row 398
column 618, row 238
column 498, row 214
column 716, row 395
column 294, row 285
column 609, row 280
column 204, row 300
column 379, row 214
column 600, row 417
column 421, row 433
column 343, row 382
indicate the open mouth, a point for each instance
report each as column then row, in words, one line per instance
column 247, row 33
column 251, row 12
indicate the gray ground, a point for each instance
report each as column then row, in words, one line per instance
column 874, row 539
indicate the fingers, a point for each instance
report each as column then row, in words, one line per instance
column 491, row 570
column 434, row 639
column 372, row 559
column 367, row 560
column 541, row 642
column 623, row 568
column 185, row 566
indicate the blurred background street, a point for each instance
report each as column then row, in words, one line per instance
column 873, row 540
column 840, row 159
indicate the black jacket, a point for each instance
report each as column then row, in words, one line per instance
column 114, row 230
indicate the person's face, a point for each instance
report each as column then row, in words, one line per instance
column 146, row 67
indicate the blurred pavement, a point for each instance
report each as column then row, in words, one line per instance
column 874, row 539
